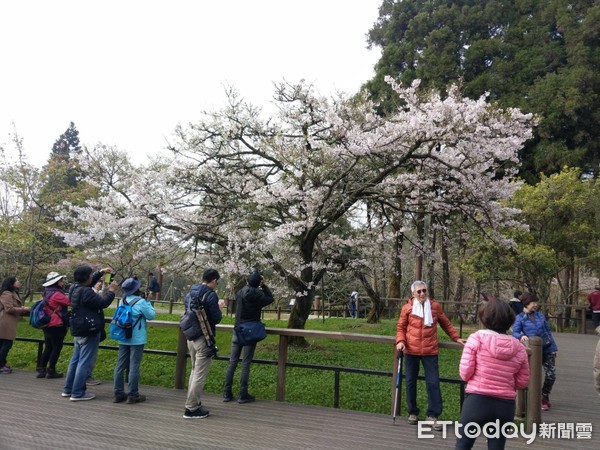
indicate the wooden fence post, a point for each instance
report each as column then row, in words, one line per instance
column 534, row 393
column 281, row 368
column 180, row 361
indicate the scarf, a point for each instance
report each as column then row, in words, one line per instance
column 423, row 311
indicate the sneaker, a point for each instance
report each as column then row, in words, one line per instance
column 65, row 394
column 5, row 369
column 138, row 398
column 246, row 399
column 118, row 398
column 436, row 426
column 84, row 397
column 413, row 419
column 545, row 406
column 228, row 397
column 92, row 382
column 199, row 413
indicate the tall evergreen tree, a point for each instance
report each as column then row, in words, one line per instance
column 541, row 56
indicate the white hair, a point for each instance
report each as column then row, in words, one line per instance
column 413, row 286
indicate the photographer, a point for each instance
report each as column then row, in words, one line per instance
column 249, row 300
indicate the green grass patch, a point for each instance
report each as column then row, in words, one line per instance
column 361, row 392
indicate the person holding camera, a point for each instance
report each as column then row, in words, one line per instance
column 201, row 296
column 249, row 302
column 88, row 311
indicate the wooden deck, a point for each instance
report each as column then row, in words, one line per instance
column 34, row 415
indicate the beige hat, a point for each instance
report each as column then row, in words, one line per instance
column 52, row 278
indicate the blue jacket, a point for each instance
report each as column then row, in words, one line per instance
column 142, row 310
column 526, row 326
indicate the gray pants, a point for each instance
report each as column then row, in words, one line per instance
column 236, row 351
column 200, row 367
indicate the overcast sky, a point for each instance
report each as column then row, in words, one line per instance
column 127, row 71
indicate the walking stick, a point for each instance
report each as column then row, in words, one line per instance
column 398, row 393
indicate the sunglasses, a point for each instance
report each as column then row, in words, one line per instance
column 424, row 291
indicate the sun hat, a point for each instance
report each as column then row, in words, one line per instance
column 130, row 286
column 52, row 278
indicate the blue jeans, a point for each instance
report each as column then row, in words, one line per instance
column 84, row 353
column 432, row 382
column 236, row 351
column 130, row 358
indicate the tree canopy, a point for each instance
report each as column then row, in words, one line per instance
column 279, row 192
column 541, row 56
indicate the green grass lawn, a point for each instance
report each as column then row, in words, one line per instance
column 307, row 386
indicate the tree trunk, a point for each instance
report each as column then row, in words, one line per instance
column 376, row 311
column 395, row 276
column 431, row 264
column 445, row 268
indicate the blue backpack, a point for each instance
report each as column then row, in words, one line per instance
column 122, row 325
column 38, row 318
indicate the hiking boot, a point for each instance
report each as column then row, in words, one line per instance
column 41, row 372
column 118, row 398
column 84, row 397
column 92, row 382
column 413, row 419
column 199, row 413
column 51, row 373
column 137, row 398
column 436, row 426
column 228, row 396
column 5, row 369
column 246, row 399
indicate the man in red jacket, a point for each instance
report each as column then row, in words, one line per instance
column 416, row 336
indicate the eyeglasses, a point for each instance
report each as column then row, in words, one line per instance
column 424, row 291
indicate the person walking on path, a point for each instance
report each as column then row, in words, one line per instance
column 11, row 309
column 200, row 354
column 131, row 350
column 249, row 302
column 353, row 304
column 416, row 336
column 90, row 305
column 594, row 300
column 533, row 323
column 54, row 334
column 494, row 365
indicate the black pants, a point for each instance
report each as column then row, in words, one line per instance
column 53, row 344
column 5, row 346
column 482, row 409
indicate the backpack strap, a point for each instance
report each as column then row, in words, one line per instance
column 139, row 317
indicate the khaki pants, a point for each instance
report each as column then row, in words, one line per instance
column 200, row 367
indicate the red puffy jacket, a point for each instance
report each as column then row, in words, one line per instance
column 419, row 339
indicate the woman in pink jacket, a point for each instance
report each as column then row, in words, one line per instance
column 494, row 365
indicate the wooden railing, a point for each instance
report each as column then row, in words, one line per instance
column 527, row 404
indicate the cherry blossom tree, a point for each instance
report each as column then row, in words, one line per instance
column 287, row 192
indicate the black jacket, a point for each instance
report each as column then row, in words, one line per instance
column 249, row 302
column 84, row 298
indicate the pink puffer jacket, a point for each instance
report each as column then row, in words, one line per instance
column 494, row 364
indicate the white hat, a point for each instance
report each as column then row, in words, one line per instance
column 52, row 278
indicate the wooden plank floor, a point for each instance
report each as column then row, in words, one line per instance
column 33, row 415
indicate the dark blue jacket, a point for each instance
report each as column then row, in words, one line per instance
column 211, row 303
column 534, row 325
column 249, row 302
